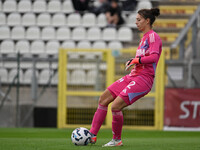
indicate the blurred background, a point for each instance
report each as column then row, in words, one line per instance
column 33, row 31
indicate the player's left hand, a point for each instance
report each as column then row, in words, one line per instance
column 132, row 62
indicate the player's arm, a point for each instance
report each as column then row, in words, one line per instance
column 142, row 60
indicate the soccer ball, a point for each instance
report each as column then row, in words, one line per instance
column 81, row 136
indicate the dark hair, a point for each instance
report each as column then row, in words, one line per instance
column 150, row 13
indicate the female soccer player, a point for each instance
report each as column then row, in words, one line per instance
column 135, row 85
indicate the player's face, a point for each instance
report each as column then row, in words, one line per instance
column 141, row 22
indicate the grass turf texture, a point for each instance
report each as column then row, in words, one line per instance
column 60, row 139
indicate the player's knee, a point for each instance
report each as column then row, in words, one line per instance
column 104, row 101
column 114, row 107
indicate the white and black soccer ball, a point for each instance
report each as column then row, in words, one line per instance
column 81, row 136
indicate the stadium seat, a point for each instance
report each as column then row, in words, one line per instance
column 78, row 34
column 39, row 6
column 3, row 19
column 54, row 6
column 52, row 47
column 28, row 76
column 9, row 6
column 44, row 76
column 94, row 34
column 14, row 19
column 74, row 20
column 109, row 34
column 48, row 33
column 4, row 32
column 13, row 73
column 99, row 45
column 125, row 34
column 10, row 64
column 29, row 19
column 58, row 20
column 44, row 19
column 78, row 77
column 33, row 33
column 22, row 46
column 43, row 64
column 101, row 20
column 63, row 33
column 88, row 20
column 67, row 7
column 18, row 33
column 37, row 47
column 124, row 16
column 24, row 6
column 144, row 4
column 115, row 45
column 91, row 77
column 132, row 20
column 68, row 44
column 54, row 80
column 3, row 75
column 84, row 45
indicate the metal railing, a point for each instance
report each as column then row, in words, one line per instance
column 180, row 41
column 35, row 95
column 187, row 40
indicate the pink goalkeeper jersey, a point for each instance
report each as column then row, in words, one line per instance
column 149, row 44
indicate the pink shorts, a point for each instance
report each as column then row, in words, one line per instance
column 130, row 88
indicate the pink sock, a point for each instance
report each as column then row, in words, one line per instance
column 98, row 119
column 117, row 124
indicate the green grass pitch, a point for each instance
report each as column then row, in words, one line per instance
column 60, row 139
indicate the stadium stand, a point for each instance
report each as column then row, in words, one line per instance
column 40, row 26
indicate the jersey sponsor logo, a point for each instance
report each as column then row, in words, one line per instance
column 140, row 52
column 145, row 45
column 144, row 48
